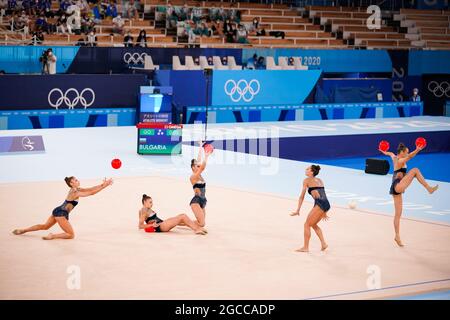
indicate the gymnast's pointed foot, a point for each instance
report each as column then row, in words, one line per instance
column 324, row 247
column 399, row 242
column 294, row 213
column 204, row 230
column 302, row 249
column 200, row 232
column 48, row 237
column 18, row 232
column 431, row 190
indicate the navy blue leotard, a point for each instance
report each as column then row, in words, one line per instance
column 321, row 201
column 201, row 197
column 396, row 180
column 154, row 218
column 61, row 211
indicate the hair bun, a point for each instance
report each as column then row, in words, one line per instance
column 315, row 169
column 67, row 181
column 401, row 147
column 145, row 197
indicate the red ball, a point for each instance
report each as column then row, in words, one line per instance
column 421, row 142
column 209, row 148
column 149, row 229
column 116, row 163
column 383, row 146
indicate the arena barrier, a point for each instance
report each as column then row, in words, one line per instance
column 257, row 113
column 39, row 119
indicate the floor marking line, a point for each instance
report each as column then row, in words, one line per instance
column 377, row 290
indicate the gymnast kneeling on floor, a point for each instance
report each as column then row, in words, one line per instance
column 150, row 222
column 60, row 214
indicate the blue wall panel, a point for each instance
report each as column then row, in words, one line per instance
column 64, row 91
column 262, row 87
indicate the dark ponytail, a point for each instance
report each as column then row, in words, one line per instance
column 145, row 197
column 193, row 163
column 315, row 169
column 67, row 180
column 401, row 147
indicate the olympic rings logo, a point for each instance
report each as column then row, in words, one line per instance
column 71, row 98
column 134, row 58
column 439, row 89
column 242, row 89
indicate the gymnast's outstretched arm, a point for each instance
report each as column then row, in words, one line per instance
column 200, row 151
column 80, row 192
column 410, row 156
column 300, row 199
column 388, row 153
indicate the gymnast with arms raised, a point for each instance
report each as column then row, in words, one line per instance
column 401, row 181
column 198, row 202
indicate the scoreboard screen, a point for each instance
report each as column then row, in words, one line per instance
column 159, row 138
column 155, row 104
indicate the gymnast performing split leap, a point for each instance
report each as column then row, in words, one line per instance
column 401, row 181
column 150, row 222
column 316, row 189
column 198, row 202
column 60, row 214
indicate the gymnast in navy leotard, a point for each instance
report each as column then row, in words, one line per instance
column 396, row 178
column 316, row 189
column 60, row 214
column 198, row 202
column 401, row 179
column 150, row 222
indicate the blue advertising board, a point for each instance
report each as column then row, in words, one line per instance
column 331, row 61
column 25, row 59
column 189, row 86
column 39, row 119
column 261, row 113
column 262, row 87
column 69, row 91
column 429, row 62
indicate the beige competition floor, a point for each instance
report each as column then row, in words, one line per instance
column 248, row 253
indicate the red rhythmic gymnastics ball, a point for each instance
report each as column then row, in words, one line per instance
column 209, row 148
column 150, row 229
column 383, row 146
column 421, row 142
column 116, row 163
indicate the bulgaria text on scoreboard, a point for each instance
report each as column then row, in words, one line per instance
column 159, row 138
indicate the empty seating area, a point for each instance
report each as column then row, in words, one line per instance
column 431, row 28
column 298, row 31
column 351, row 24
column 410, row 28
